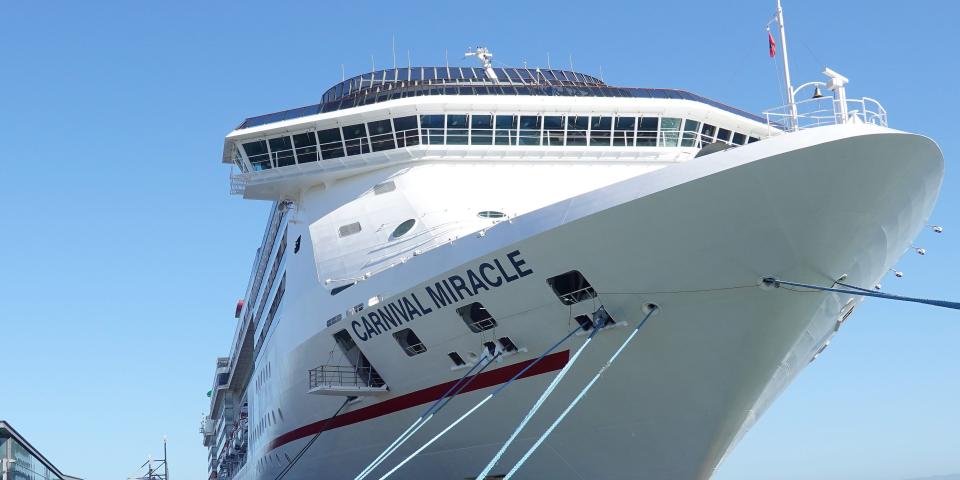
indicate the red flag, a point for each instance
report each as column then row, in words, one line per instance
column 773, row 44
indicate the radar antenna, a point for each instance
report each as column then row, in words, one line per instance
column 484, row 55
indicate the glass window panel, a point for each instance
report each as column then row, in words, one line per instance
column 623, row 131
column 381, row 135
column 355, row 139
column 330, row 144
column 753, row 139
column 529, row 130
column 306, row 144
column 553, row 130
column 407, row 133
column 600, row 131
column 707, row 133
column 577, row 130
column 457, row 130
column 432, row 133
column 481, row 129
column 647, row 131
column 669, row 132
column 739, row 139
column 506, row 130
column 723, row 135
column 281, row 149
column 690, row 128
column 257, row 154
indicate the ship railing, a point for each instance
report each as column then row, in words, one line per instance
column 344, row 377
column 238, row 183
column 823, row 111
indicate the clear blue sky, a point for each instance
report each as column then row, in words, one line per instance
column 122, row 254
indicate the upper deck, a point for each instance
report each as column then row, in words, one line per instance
column 385, row 85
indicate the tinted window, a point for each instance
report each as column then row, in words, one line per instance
column 381, row 135
column 623, row 131
column 600, row 131
column 739, row 138
column 506, row 130
column 529, row 130
column 432, row 126
column 647, row 132
column 481, row 129
column 457, row 129
column 669, row 132
column 257, row 154
column 282, row 150
column 407, row 133
column 306, row 144
column 330, row 144
column 553, row 131
column 577, row 130
column 723, row 135
column 355, row 138
column 690, row 129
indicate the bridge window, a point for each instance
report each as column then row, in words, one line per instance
column 506, row 130
column 306, row 144
column 282, row 151
column 571, row 287
column 257, row 154
column 457, row 130
column 331, row 146
column 723, row 135
column 409, row 342
column 476, row 317
column 577, row 130
column 647, row 132
column 669, row 132
column 739, row 139
column 707, row 133
column 381, row 135
column 355, row 139
column 481, row 129
column 529, row 130
column 690, row 128
column 600, row 131
column 623, row 131
column 753, row 139
column 431, row 129
column 408, row 134
column 553, row 131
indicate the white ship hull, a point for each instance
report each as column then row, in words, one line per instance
column 693, row 238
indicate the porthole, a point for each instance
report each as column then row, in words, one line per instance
column 403, row 228
column 491, row 214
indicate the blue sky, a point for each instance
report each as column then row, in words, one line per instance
column 122, row 254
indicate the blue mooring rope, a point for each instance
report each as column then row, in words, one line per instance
column 851, row 290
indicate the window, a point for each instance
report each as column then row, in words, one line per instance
column 707, row 133
column 600, row 131
column 330, row 144
column 491, row 214
column 432, row 133
column 507, row 344
column 457, row 130
column 690, row 128
column 341, row 288
column 282, row 151
column 349, row 229
column 409, row 342
column 476, row 317
column 553, row 131
column 623, row 131
column 296, row 244
column 355, row 139
column 481, row 130
column 407, row 132
column 739, row 139
column 647, row 132
column 257, row 154
column 669, row 132
column 456, row 359
column 753, row 139
column 403, row 228
column 336, row 318
column 571, row 287
column 529, row 130
column 506, row 130
column 584, row 321
column 381, row 135
column 306, row 144
column 723, row 135
column 577, row 130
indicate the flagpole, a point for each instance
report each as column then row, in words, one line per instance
column 786, row 67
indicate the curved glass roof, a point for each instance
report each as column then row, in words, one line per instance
column 394, row 83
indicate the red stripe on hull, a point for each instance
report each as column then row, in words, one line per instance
column 550, row 363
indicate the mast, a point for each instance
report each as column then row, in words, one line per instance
column 786, row 67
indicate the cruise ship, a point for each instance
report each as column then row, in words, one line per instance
column 447, row 232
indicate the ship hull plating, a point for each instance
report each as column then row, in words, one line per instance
column 694, row 239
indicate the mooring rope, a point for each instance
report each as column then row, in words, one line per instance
column 481, row 403
column 543, row 397
column 653, row 309
column 851, row 290
column 303, row 450
column 438, row 405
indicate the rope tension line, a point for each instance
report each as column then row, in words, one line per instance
column 481, row 403
column 613, row 358
column 851, row 290
column 429, row 413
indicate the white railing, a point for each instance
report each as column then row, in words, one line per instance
column 238, row 183
column 819, row 112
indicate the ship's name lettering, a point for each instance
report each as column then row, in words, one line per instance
column 474, row 281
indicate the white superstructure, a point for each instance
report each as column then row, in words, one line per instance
column 426, row 216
